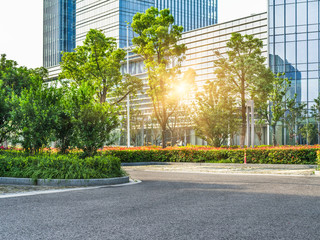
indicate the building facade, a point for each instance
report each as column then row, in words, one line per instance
column 294, row 49
column 112, row 16
column 58, row 30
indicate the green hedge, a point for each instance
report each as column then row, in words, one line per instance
column 54, row 166
column 265, row 156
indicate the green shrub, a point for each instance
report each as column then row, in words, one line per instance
column 55, row 166
column 257, row 155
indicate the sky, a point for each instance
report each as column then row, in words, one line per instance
column 21, row 26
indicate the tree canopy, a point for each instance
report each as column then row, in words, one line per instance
column 157, row 42
column 243, row 70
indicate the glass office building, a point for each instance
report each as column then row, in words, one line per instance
column 112, row 16
column 294, row 47
column 58, row 30
column 191, row 14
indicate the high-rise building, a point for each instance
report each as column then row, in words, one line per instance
column 112, row 16
column 58, row 30
column 294, row 48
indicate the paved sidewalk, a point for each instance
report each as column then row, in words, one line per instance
column 219, row 168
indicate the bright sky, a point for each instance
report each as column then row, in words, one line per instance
column 21, row 26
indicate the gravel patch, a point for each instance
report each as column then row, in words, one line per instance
column 9, row 189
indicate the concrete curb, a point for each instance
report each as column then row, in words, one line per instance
column 64, row 182
column 267, row 166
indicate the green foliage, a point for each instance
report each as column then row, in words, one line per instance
column 157, row 42
column 315, row 113
column 216, row 117
column 34, row 115
column 309, row 132
column 13, row 81
column 54, row 166
column 284, row 107
column 294, row 116
column 98, row 62
column 262, row 156
column 5, row 107
column 243, row 70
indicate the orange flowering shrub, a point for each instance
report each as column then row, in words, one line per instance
column 262, row 154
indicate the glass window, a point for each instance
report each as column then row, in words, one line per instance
column 313, row 51
column 313, row 74
column 301, row 13
column 291, row 52
column 304, row 90
column 313, row 27
column 302, row 52
column 279, row 31
column 290, row 15
column 279, row 38
column 312, row 12
column 302, row 67
column 302, row 28
column 271, row 15
column 313, row 35
column 313, row 67
column 279, row 16
column 301, row 37
column 290, row 37
column 279, row 51
column 290, row 30
column 313, row 89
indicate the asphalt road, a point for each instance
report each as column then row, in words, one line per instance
column 172, row 206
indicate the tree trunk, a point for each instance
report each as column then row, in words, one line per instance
column 163, row 136
column 274, row 135
column 244, row 122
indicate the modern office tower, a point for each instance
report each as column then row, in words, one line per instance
column 58, row 30
column 294, row 41
column 191, row 14
column 111, row 16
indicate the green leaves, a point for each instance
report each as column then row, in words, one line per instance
column 157, row 43
column 98, row 62
column 216, row 116
column 244, row 72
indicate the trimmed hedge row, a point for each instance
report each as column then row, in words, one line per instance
column 54, row 166
column 263, row 156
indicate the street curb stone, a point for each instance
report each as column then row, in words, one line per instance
column 250, row 165
column 64, row 182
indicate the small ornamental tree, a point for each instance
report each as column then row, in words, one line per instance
column 216, row 117
column 157, row 42
column 34, row 115
column 243, row 70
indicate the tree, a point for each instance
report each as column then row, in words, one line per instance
column 278, row 98
column 4, row 114
column 294, row 116
column 98, row 62
column 34, row 115
column 13, row 80
column 243, row 70
column 308, row 132
column 97, row 89
column 157, row 42
column 216, row 116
